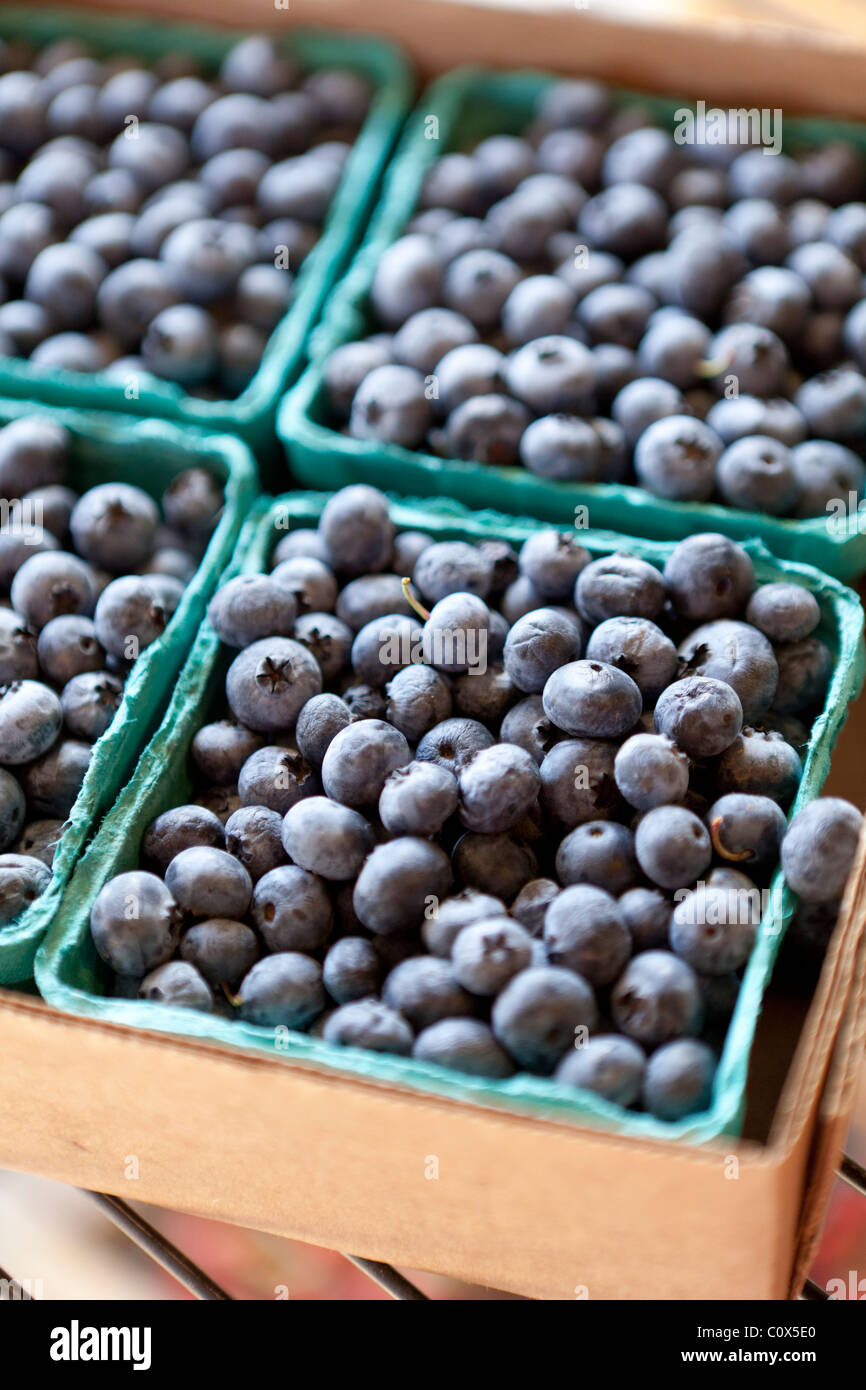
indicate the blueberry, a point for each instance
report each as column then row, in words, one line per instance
column 221, row 949
column 804, row 673
column 283, row 990
column 757, row 474
column 562, row 447
column 520, row 598
column 24, row 324
column 650, row 770
column 253, row 837
column 363, row 701
column 639, row 648
column 26, row 229
column 108, row 235
column 18, row 649
column 351, row 970
column 497, row 788
column 134, row 923
column 357, row 531
column 532, row 902
column 486, row 429
column 344, row 370
column 39, row 840
column 326, row 838
column 487, row 954
column 129, row 615
column 751, row 175
column 656, row 999
column 269, row 682
column 600, row 853
column 552, row 374
column 426, row 337
column 408, row 278
column 418, row 699
column 773, row 298
column 372, row 596
column 584, row 931
column 445, row 921
column 537, row 1015
column 713, row 929
column 180, row 102
column 577, row 102
column 180, row 344
column 67, row 646
column 291, row 909
column 591, row 699
column 64, row 279
column 610, row 1066
column 359, row 759
column 177, row 983
column 676, row 458
column 369, row 1024
column 448, row 567
column 275, row 777
column 309, row 581
column 679, row 1079
column 381, row 647
column 257, row 65
column 827, row 473
column 302, row 543
column 644, row 402
column 709, row 576
column 528, row 726
column 178, row 829
column 132, row 295
column 476, row 284
column 619, row 586
column 760, row 763
column 30, row 720
column 398, row 882
column 552, row 560
column 616, row 314
column 463, row 1044
column 71, row 352
column 672, row 846
column 206, row 256
column 12, row 810
column 575, row 154
column 833, row 403
column 219, row 750
column 522, row 224
column 233, row 177
column 536, row 307
column 740, row 416
column 425, row 990
column 496, row 864
column 627, row 219
column 50, row 584
column 208, row 882
column 417, row 799
column 646, row 912
column 89, row 702
column 833, row 279
column 503, row 162
column 453, row 743
column 391, row 405
column 819, row 848
column 22, row 112
column 737, row 654
column 673, row 349
column 577, row 782
column 126, row 92
column 463, row 373
column 114, row 525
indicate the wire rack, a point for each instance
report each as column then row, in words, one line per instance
column 194, row 1279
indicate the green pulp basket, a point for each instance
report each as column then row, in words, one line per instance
column 251, row 414
column 470, row 104
column 71, row 976
column 148, row 453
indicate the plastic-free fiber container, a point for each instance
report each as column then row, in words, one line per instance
column 71, row 976
column 470, row 104
column 251, row 414
column 148, row 453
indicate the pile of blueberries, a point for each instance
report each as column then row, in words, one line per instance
column 87, row 583
column 152, row 222
column 599, row 303
column 500, row 811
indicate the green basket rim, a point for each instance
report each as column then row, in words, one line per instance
column 19, row 939
column 839, row 547
column 253, row 409
column 537, row 1097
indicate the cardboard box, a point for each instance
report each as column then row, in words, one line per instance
column 538, row 1208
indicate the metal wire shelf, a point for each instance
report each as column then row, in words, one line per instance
column 194, row 1279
